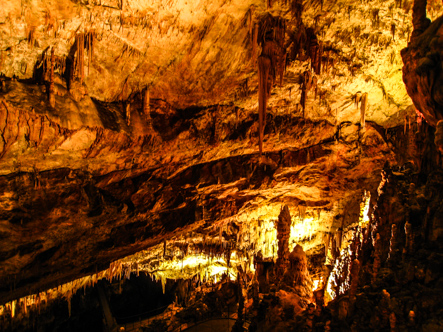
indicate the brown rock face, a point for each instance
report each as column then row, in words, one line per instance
column 439, row 136
column 422, row 70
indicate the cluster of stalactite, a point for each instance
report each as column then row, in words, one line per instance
column 415, row 142
column 386, row 243
column 309, row 82
column 30, row 36
column 344, row 260
column 71, row 67
column 270, row 33
column 116, row 271
column 48, row 65
column 45, row 70
column 271, row 62
column 83, row 41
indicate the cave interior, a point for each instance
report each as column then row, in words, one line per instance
column 221, row 165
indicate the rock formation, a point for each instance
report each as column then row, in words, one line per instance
column 263, row 158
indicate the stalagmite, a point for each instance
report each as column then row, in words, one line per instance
column 377, row 258
column 393, row 322
column 355, row 270
column 409, row 238
column 13, row 305
column 384, row 306
column 419, row 20
column 69, row 303
column 283, row 232
column 393, row 248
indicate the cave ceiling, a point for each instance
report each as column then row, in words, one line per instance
column 102, row 174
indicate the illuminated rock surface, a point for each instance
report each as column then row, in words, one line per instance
column 138, row 153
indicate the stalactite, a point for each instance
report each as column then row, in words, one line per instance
column 357, row 99
column 315, row 86
column 80, row 59
column 393, row 31
column 31, row 37
column 254, row 42
column 90, row 42
column 375, row 18
column 297, row 10
column 271, row 36
column 163, row 281
column 318, row 59
column 264, row 65
column 303, row 98
column 363, row 107
column 51, row 80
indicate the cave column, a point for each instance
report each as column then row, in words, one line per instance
column 283, row 231
column 419, row 19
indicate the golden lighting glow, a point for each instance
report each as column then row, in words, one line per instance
column 344, row 260
column 317, row 283
column 193, row 256
column 364, row 209
column 337, row 271
column 300, row 231
column 207, row 269
column 115, row 271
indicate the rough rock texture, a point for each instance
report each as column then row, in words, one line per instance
column 142, row 132
column 73, row 200
column 404, row 294
column 422, row 72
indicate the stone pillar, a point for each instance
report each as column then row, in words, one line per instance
column 283, row 232
column 419, row 19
